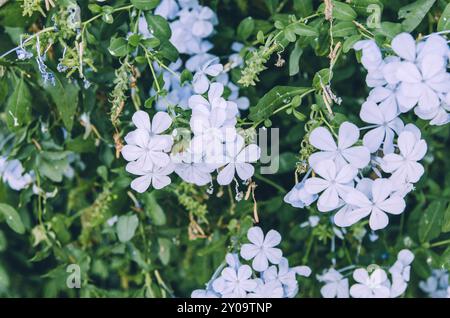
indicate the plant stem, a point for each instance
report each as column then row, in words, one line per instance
column 27, row 40
column 270, row 182
column 440, row 243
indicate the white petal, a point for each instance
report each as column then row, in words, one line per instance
column 251, row 153
column 406, row 142
column 248, row 251
column 244, row 170
column 378, row 219
column 200, row 83
column 393, row 205
column 256, row 235
column 371, row 113
column 141, row 184
column 316, row 185
column 273, row 238
column 215, row 91
column 358, row 156
column 381, row 189
column 348, row 135
column 374, row 138
column 161, row 122
column 405, row 46
column 141, row 120
column 409, row 73
column 226, row 175
column 321, row 139
column 160, row 181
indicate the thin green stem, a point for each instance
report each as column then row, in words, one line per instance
column 270, row 182
column 440, row 243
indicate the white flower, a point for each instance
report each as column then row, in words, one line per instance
column 404, row 166
column 369, row 286
column 272, row 289
column 200, row 80
column 235, row 282
column 382, row 201
column 168, row 9
column 425, row 81
column 343, row 152
column 336, row 286
column 400, row 272
column 262, row 249
column 371, row 54
column 334, row 183
column 298, row 197
column 156, row 177
column 192, row 168
column 238, row 159
column 145, row 145
column 436, row 285
column 286, row 276
column 386, row 121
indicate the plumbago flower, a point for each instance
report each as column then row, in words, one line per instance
column 343, row 152
column 404, row 166
column 234, row 279
column 212, row 143
column 380, row 201
column 145, row 146
column 436, row 286
column 416, row 77
column 262, row 249
column 238, row 161
column 336, row 285
column 372, row 283
column 191, row 24
column 385, row 120
column 334, row 183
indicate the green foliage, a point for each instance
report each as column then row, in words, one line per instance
column 299, row 72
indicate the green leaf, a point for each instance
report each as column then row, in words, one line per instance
column 294, row 59
column 322, row 76
column 65, row 96
column 126, row 227
column 271, row 101
column 303, row 7
column 154, row 210
column 303, row 29
column 344, row 29
column 12, row 218
column 4, row 279
column 245, row 28
column 118, row 47
column 145, row 4
column 158, row 26
column 366, row 7
column 18, row 106
column 431, row 221
column 444, row 260
column 164, row 250
column 341, row 11
column 272, row 5
column 390, row 29
column 349, row 42
column 414, row 13
column 446, row 220
column 168, row 51
column 444, row 20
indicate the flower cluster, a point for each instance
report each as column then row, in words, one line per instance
column 212, row 143
column 261, row 279
column 415, row 77
column 191, row 24
column 436, row 286
column 390, row 149
column 369, row 284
